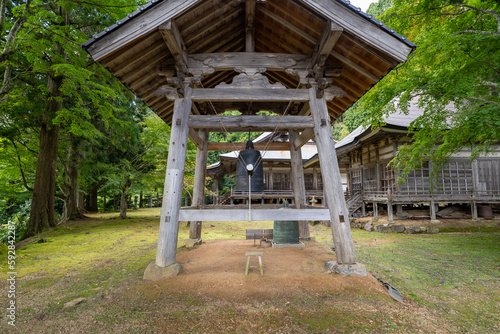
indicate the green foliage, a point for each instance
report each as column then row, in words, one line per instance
column 453, row 77
column 20, row 217
column 378, row 8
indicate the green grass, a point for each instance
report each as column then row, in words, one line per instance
column 455, row 276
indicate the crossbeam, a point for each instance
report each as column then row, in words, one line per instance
column 249, row 95
column 248, row 122
column 241, row 146
column 257, row 214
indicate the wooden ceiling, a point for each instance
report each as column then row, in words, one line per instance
column 143, row 61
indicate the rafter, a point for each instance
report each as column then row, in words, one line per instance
column 174, row 42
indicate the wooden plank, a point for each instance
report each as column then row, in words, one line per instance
column 250, row 25
column 303, row 138
column 199, row 183
column 355, row 66
column 329, row 37
column 172, row 194
column 249, row 122
column 257, row 214
column 174, row 42
column 241, row 146
column 361, row 27
column 137, row 27
column 332, row 181
column 229, row 60
column 246, row 95
column 289, row 25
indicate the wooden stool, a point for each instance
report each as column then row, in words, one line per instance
column 259, row 254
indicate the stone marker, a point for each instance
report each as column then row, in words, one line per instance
column 190, row 243
column 346, row 269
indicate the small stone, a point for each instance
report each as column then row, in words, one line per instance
column 75, row 302
column 155, row 273
column 398, row 228
column 383, row 228
column 435, row 221
column 190, row 243
column 346, row 269
column 415, row 229
column 368, row 227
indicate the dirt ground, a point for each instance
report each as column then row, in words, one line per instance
column 216, row 269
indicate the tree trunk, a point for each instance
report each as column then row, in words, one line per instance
column 42, row 205
column 71, row 209
column 92, row 199
column 140, row 199
column 123, row 204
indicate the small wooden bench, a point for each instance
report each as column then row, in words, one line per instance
column 259, row 234
column 259, row 254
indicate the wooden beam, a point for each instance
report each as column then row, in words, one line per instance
column 196, row 139
column 173, row 39
column 246, row 95
column 139, row 26
column 246, row 122
column 287, row 24
column 329, row 37
column 241, row 146
column 355, row 66
column 303, row 138
column 229, row 60
column 250, row 25
column 257, row 214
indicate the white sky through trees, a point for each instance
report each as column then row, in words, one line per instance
column 363, row 4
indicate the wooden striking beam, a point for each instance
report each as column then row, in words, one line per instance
column 303, row 138
column 241, row 146
column 173, row 39
column 329, row 37
column 247, row 95
column 257, row 214
column 250, row 25
column 248, row 122
column 195, row 138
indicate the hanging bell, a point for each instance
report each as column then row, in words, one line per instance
column 249, row 162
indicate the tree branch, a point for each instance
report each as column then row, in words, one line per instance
column 21, row 167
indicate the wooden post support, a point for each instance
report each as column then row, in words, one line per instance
column 375, row 211
column 390, row 215
column 172, row 194
column 473, row 206
column 363, row 209
column 199, row 183
column 332, row 182
column 298, row 183
column 433, row 210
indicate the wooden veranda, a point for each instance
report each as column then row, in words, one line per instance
column 305, row 60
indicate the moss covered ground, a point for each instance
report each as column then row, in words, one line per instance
column 450, row 282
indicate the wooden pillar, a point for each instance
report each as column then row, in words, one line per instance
column 473, row 206
column 390, row 215
column 363, row 209
column 150, row 201
column 332, row 182
column 216, row 190
column 399, row 208
column 433, row 210
column 298, row 182
column 172, row 193
column 375, row 211
column 250, row 26
column 199, row 183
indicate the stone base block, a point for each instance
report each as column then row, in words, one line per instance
column 190, row 243
column 346, row 269
column 155, row 273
